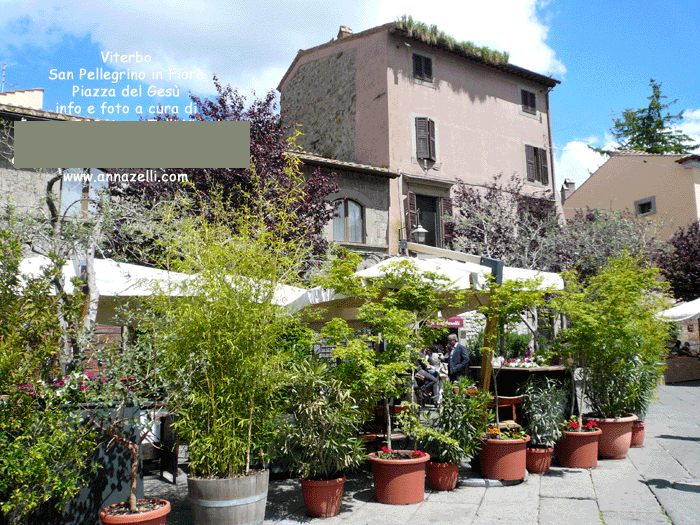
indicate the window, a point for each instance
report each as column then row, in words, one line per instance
column 645, row 206
column 536, row 165
column 422, row 68
column 529, row 101
column 348, row 223
column 425, row 138
column 429, row 212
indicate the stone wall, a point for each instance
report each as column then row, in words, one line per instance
column 24, row 189
column 321, row 97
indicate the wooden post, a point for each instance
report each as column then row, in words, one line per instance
column 486, row 356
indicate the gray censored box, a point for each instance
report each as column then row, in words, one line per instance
column 143, row 144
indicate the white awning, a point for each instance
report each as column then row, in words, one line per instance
column 681, row 312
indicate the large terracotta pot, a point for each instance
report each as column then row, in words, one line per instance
column 539, row 460
column 504, row 459
column 399, row 481
column 322, row 498
column 578, row 449
column 638, row 434
column 442, row 476
column 152, row 517
column 232, row 501
column 616, row 437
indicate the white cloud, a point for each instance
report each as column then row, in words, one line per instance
column 251, row 44
column 690, row 125
column 577, row 162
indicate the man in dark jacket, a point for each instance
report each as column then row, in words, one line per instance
column 458, row 359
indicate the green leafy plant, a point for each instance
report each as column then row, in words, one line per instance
column 44, row 446
column 220, row 332
column 320, row 430
column 544, row 409
column 614, row 332
column 398, row 308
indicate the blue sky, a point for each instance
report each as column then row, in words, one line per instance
column 604, row 53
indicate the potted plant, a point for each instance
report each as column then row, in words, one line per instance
column 503, row 450
column 122, row 399
column 221, row 335
column 614, row 330
column 646, row 382
column 399, row 476
column 453, row 434
column 319, row 434
column 544, row 407
column 578, row 446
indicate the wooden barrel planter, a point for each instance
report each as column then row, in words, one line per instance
column 234, row 501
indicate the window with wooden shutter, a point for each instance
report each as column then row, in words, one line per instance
column 530, row 163
column 422, row 67
column 425, row 138
column 411, row 211
column 537, row 166
column 447, row 227
column 529, row 101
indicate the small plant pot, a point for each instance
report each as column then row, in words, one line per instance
column 399, row 481
column 442, row 476
column 504, row 459
column 616, row 436
column 539, row 460
column 578, row 449
column 322, row 498
column 638, row 434
column 151, row 517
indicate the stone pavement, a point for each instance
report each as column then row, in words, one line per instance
column 656, row 484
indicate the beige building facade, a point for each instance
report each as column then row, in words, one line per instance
column 431, row 115
column 659, row 187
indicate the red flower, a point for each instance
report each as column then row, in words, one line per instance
column 574, row 425
column 591, row 424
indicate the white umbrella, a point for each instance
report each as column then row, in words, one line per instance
column 681, row 312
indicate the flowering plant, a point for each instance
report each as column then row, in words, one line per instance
column 575, row 424
column 493, row 432
column 387, row 453
column 531, row 360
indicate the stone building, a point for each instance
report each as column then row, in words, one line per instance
column 429, row 113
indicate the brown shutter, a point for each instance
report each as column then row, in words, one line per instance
column 411, row 214
column 529, row 101
column 544, row 172
column 431, row 140
column 447, row 228
column 530, row 162
column 422, row 138
column 428, row 68
column 417, row 66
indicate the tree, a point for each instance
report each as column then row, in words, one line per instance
column 680, row 262
column 648, row 129
column 502, row 222
column 273, row 173
column 592, row 237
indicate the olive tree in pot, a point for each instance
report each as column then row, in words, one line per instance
column 319, row 434
column 544, row 409
column 614, row 332
column 221, row 337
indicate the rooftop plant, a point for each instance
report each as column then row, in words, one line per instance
column 430, row 34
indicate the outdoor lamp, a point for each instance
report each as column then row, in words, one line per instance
column 419, row 234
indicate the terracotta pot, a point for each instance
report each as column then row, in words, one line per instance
column 616, row 437
column 152, row 517
column 442, row 476
column 638, row 434
column 322, row 498
column 539, row 460
column 504, row 459
column 578, row 449
column 399, row 481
